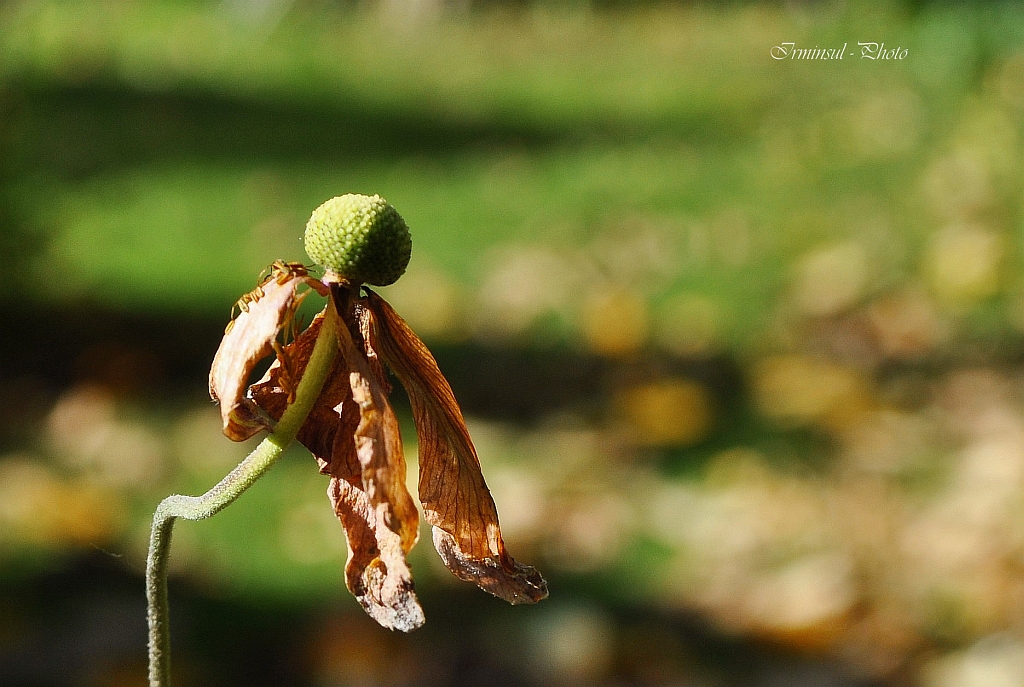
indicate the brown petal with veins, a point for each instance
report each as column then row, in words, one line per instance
column 272, row 391
column 379, row 533
column 377, row 438
column 455, row 497
column 249, row 339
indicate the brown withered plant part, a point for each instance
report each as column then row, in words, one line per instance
column 267, row 314
column 455, row 497
column 354, row 435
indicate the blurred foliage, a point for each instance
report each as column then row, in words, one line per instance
column 740, row 339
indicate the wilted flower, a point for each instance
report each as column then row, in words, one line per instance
column 352, row 430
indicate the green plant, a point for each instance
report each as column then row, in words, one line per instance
column 327, row 388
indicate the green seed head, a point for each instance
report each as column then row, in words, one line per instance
column 361, row 238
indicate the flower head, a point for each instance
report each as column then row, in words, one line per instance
column 352, row 430
column 361, row 237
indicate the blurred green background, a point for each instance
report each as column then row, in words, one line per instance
column 738, row 339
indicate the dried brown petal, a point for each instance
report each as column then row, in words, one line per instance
column 378, row 440
column 272, row 392
column 376, row 571
column 249, row 339
column 455, row 497
column 379, row 534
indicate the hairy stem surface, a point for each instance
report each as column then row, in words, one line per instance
column 222, row 495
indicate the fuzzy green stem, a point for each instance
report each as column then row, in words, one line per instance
column 222, row 495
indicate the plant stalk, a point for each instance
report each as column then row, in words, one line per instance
column 243, row 476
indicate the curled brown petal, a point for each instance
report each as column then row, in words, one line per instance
column 452, row 489
column 378, row 440
column 376, row 571
column 249, row 338
column 272, row 392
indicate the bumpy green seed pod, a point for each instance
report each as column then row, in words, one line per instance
column 361, row 238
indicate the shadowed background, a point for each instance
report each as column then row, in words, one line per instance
column 738, row 339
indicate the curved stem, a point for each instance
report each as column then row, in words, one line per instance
column 222, row 495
